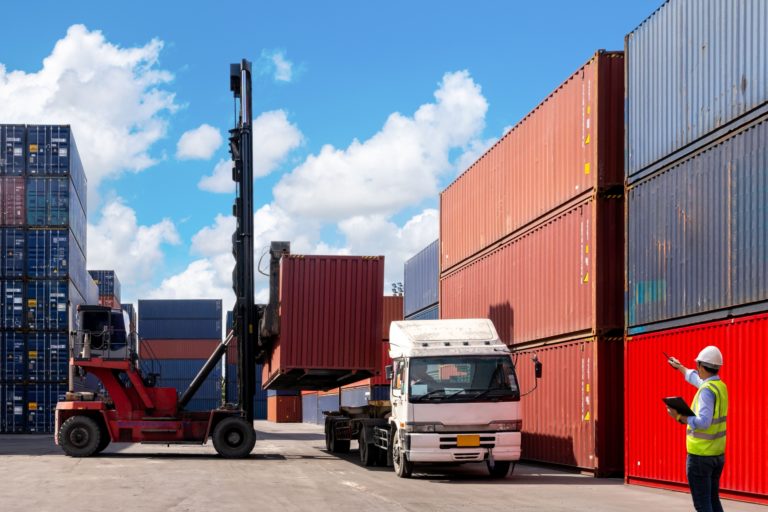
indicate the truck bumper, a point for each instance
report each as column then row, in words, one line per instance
column 503, row 446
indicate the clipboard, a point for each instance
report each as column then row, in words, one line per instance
column 677, row 403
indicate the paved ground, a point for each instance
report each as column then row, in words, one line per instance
column 290, row 471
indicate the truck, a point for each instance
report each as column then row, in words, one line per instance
column 454, row 398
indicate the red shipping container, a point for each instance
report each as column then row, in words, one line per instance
column 177, row 349
column 109, row 301
column 561, row 279
column 569, row 145
column 655, row 444
column 393, row 312
column 330, row 322
column 12, row 200
column 284, row 409
column 574, row 417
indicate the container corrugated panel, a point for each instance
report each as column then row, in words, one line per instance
column 51, row 202
column 180, row 328
column 107, row 281
column 128, row 308
column 12, row 144
column 562, row 278
column 421, row 274
column 13, row 398
column 431, row 313
column 574, row 417
column 697, row 233
column 693, row 66
column 284, row 409
column 327, row 403
column 282, row 392
column 54, row 254
column 393, row 312
column 12, row 252
column 356, row 396
column 41, row 406
column 232, row 387
column 109, row 301
column 655, row 444
column 177, row 349
column 331, row 311
column 12, row 314
column 230, row 321
column 12, row 201
column 51, row 151
column 309, row 410
column 178, row 373
column 379, row 392
column 47, row 304
column 47, row 356
column 13, row 356
column 191, row 308
column 569, row 144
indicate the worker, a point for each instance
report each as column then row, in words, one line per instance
column 419, row 374
column 705, row 432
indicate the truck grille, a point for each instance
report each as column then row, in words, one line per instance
column 449, row 442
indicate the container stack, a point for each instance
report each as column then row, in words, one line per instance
column 422, row 273
column 176, row 339
column 42, row 269
column 260, row 397
column 109, row 287
column 531, row 237
column 128, row 308
column 697, row 218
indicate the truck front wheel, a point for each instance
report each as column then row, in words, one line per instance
column 80, row 436
column 499, row 468
column 403, row 467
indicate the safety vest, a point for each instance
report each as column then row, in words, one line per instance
column 710, row 441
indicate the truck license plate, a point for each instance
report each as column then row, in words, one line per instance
column 467, row 441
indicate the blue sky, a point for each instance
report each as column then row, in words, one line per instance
column 352, row 65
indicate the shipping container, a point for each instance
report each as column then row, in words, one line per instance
column 12, row 252
column 574, row 416
column 180, row 328
column 12, row 416
column 561, row 279
column 47, row 304
column 178, row 373
column 12, row 201
column 355, row 396
column 180, row 309
column 51, row 202
column 108, row 283
column 54, row 254
column 284, row 409
column 694, row 67
column 12, row 303
column 12, row 143
column 109, row 301
column 655, row 444
column 177, row 349
column 13, row 353
column 421, row 275
column 260, row 397
column 309, row 408
column 697, row 235
column 51, row 151
column 229, row 321
column 128, row 308
column 92, row 295
column 568, row 146
column 41, row 406
column 47, row 356
column 331, row 311
column 432, row 313
column 327, row 403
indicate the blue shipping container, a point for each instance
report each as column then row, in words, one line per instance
column 309, row 410
column 13, row 353
column 260, row 410
column 230, row 321
column 232, row 387
column 178, row 373
column 696, row 237
column 422, row 273
column 327, row 403
column 53, row 254
column 380, row 393
column 107, row 281
column 12, row 313
column 355, row 397
column 51, row 151
column 180, row 329
column 51, row 202
column 192, row 309
column 47, row 304
column 47, row 356
column 12, row 144
column 41, row 406
column 12, row 401
column 431, row 313
column 12, row 252
column 692, row 67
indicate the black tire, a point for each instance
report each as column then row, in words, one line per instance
column 234, row 438
column 499, row 469
column 403, row 467
column 337, row 445
column 328, row 434
column 105, row 439
column 368, row 452
column 80, row 436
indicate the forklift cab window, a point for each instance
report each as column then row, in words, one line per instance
column 106, row 330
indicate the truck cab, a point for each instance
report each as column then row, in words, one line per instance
column 454, row 395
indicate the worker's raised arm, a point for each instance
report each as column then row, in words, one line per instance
column 677, row 365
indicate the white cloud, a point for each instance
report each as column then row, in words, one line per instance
column 474, row 150
column 276, row 64
column 199, row 144
column 134, row 251
column 221, row 179
column 397, row 167
column 112, row 97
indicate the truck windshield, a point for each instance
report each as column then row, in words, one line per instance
column 462, row 379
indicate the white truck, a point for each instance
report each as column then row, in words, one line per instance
column 453, row 399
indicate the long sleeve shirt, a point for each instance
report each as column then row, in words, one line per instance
column 706, row 401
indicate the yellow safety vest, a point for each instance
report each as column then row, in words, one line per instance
column 710, row 441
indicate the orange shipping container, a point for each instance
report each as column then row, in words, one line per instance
column 284, row 409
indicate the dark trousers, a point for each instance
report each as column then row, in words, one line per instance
column 704, row 480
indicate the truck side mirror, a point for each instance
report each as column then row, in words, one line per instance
column 537, row 368
column 388, row 372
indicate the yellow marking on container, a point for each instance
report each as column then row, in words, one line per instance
column 589, row 109
column 32, row 406
column 587, row 387
column 33, row 148
column 586, row 249
column 587, row 416
column 586, row 141
column 33, row 353
column 32, row 303
column 586, row 168
column 586, row 277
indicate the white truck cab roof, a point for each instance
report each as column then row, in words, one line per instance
column 424, row 338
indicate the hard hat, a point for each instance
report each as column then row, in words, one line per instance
column 710, row 356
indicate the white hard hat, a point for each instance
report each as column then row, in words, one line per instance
column 710, row 356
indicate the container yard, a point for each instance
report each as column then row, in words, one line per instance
column 574, row 238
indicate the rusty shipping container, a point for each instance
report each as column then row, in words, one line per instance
column 561, row 279
column 574, row 417
column 330, row 322
column 177, row 349
column 12, row 200
column 284, row 409
column 655, row 444
column 393, row 312
column 564, row 149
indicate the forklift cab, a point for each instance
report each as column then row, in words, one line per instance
column 103, row 332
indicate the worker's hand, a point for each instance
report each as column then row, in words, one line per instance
column 674, row 363
column 672, row 413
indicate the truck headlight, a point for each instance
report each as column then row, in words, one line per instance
column 508, row 426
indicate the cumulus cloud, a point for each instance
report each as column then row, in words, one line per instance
column 221, row 179
column 112, row 96
column 199, row 144
column 275, row 63
column 399, row 166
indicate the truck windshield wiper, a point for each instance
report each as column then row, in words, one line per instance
column 484, row 392
column 428, row 394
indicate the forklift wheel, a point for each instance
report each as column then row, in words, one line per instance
column 105, row 439
column 80, row 436
column 234, row 438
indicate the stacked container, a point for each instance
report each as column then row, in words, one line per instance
column 531, row 237
column 260, row 397
column 128, row 308
column 697, row 218
column 43, row 196
column 176, row 339
column 422, row 274
column 109, row 287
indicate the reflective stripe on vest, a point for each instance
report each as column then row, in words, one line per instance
column 710, row 441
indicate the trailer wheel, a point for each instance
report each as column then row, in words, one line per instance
column 328, row 428
column 499, row 469
column 368, row 453
column 80, row 436
column 403, row 467
column 338, row 445
column 234, row 438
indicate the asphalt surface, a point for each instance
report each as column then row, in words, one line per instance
column 289, row 470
